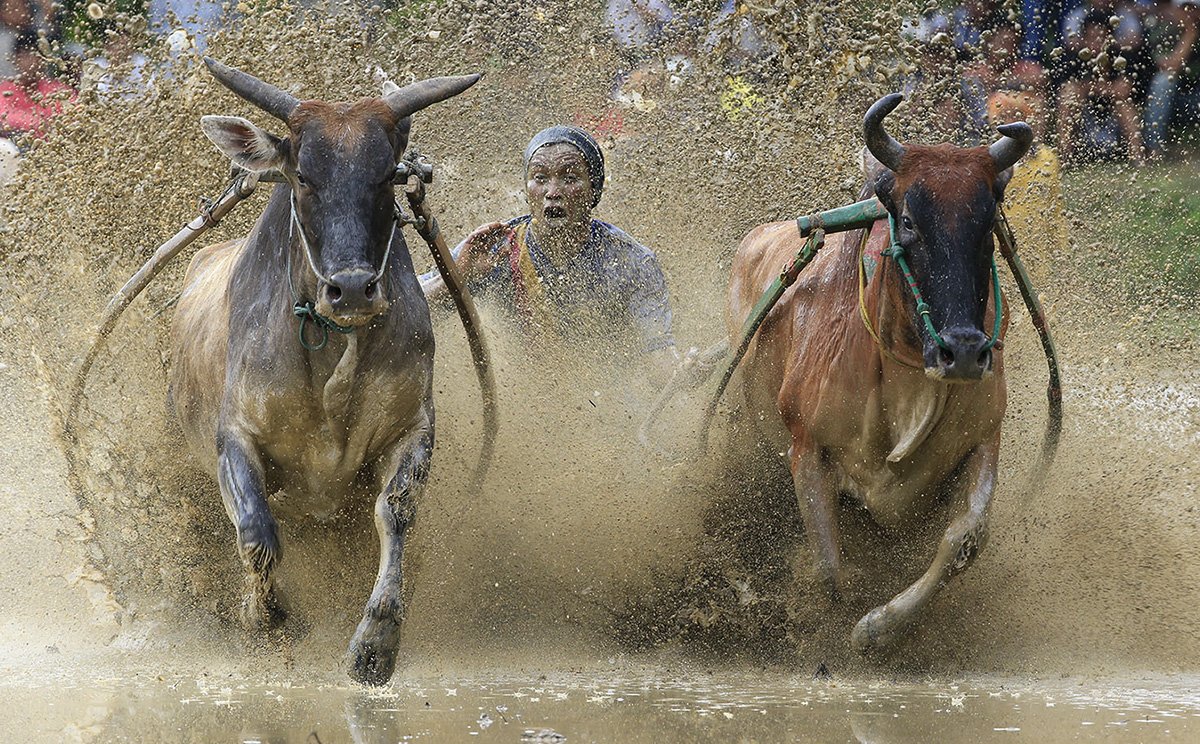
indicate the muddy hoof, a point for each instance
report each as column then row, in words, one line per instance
column 258, row 544
column 872, row 633
column 372, row 653
column 261, row 615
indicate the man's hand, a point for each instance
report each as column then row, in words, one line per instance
column 479, row 253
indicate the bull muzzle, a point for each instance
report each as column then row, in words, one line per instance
column 965, row 357
column 352, row 297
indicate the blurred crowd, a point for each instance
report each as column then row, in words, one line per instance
column 29, row 95
column 1097, row 78
column 1100, row 79
column 50, row 48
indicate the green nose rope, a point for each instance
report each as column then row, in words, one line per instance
column 307, row 312
column 896, row 251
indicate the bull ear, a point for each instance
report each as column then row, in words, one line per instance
column 885, row 181
column 1001, row 183
column 245, row 144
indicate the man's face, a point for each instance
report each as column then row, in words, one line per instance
column 557, row 185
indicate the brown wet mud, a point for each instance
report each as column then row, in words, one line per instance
column 641, row 586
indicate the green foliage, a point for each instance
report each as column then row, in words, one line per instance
column 84, row 28
column 1150, row 220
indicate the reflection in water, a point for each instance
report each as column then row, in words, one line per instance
column 733, row 708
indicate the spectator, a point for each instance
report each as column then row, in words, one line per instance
column 121, row 72
column 1040, row 24
column 1127, row 32
column 1173, row 30
column 948, row 102
column 734, row 34
column 1001, row 72
column 637, row 26
column 16, row 15
column 30, row 99
column 1096, row 85
column 969, row 21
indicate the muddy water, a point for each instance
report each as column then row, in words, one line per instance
column 596, row 706
column 639, row 587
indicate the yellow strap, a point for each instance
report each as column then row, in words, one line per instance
column 540, row 315
column 862, row 303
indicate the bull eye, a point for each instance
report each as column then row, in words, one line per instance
column 300, row 179
column 906, row 222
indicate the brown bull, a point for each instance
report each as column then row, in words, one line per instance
column 897, row 422
column 269, row 399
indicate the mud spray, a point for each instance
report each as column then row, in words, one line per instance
column 581, row 546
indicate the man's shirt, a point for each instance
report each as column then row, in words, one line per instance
column 612, row 287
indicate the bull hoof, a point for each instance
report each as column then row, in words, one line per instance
column 261, row 614
column 873, row 634
column 372, row 653
column 258, row 544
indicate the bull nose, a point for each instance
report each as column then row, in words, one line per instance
column 353, row 292
column 966, row 355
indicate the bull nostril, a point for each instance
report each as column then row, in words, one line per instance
column 985, row 358
column 946, row 357
column 335, row 293
column 369, row 291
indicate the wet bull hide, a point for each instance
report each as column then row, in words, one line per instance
column 320, row 415
column 899, row 422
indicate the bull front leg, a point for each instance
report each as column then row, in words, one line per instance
column 880, row 628
column 372, row 653
column 817, row 498
column 240, row 476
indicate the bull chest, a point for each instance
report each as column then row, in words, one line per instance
column 911, row 441
column 326, row 424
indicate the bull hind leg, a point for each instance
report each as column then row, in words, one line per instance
column 240, row 475
column 372, row 653
column 880, row 628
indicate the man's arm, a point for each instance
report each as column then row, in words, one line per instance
column 650, row 313
column 476, row 257
column 1175, row 61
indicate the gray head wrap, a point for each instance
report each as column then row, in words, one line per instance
column 580, row 140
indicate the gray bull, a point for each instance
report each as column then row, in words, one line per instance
column 325, row 416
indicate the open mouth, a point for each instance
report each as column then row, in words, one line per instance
column 555, row 212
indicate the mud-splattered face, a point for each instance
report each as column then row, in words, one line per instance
column 557, row 186
column 342, row 161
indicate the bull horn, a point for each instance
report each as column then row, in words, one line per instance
column 267, row 97
column 885, row 149
column 412, row 98
column 1010, row 148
